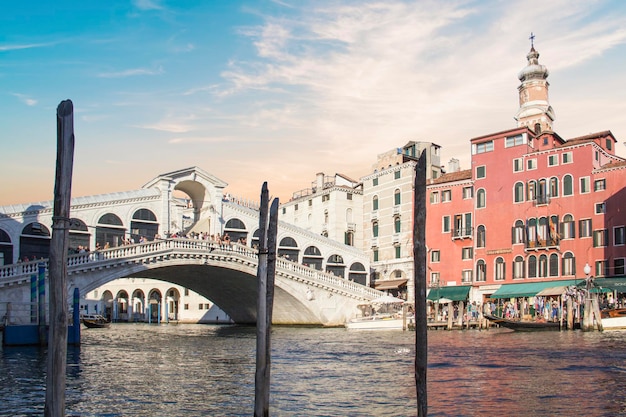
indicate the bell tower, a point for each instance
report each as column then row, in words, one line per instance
column 534, row 110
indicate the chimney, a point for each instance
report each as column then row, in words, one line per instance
column 453, row 165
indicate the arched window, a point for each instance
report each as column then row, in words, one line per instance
column 554, row 265
column 35, row 241
column 358, row 273
column 110, row 231
column 480, row 237
column 396, row 197
column 554, row 187
column 519, row 268
column 532, row 266
column 519, row 230
column 568, row 264
column 518, row 193
column 78, row 236
column 236, row 230
column 397, row 224
column 335, row 265
column 542, row 231
column 375, row 229
column 568, row 227
column 375, row 203
column 6, row 248
column 288, row 249
column 531, row 190
column 500, row 269
column 532, row 232
column 143, row 225
column 313, row 258
column 568, row 185
column 481, row 271
column 481, row 198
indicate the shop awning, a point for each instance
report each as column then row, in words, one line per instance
column 390, row 284
column 452, row 293
column 553, row 291
column 529, row 289
column 614, row 283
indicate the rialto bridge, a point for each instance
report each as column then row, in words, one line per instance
column 156, row 232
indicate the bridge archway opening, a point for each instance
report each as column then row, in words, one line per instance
column 313, row 257
column 143, row 226
column 173, row 300
column 6, row 248
column 121, row 306
column 110, row 231
column 138, row 303
column 107, row 304
column 154, row 305
column 288, row 248
column 79, row 236
column 35, row 241
column 236, row 230
column 335, row 265
column 358, row 273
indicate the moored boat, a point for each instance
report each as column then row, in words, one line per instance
column 96, row 322
column 613, row 319
column 524, row 325
column 384, row 313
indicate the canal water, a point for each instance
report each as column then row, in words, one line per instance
column 202, row 370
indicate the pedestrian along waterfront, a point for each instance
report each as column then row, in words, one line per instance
column 204, row 370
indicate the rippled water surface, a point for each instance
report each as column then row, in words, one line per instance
column 198, row 370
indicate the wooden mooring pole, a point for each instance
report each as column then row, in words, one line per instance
column 266, row 273
column 419, row 266
column 57, row 338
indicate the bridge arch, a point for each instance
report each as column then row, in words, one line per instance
column 313, row 258
column 236, row 230
column 6, row 248
column 288, row 248
column 143, row 225
column 110, row 231
column 358, row 273
column 79, row 236
column 335, row 265
column 35, row 241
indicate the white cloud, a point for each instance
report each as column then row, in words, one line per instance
column 26, row 99
column 131, row 73
column 147, row 4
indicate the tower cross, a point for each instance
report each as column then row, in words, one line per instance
column 532, row 40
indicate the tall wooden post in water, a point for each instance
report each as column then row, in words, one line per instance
column 57, row 338
column 266, row 273
column 419, row 266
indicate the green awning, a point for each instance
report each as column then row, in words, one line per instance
column 529, row 289
column 453, row 293
column 614, row 283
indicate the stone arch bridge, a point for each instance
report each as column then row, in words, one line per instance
column 223, row 273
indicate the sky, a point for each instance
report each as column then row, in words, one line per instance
column 277, row 91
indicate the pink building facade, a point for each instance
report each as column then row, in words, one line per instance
column 534, row 207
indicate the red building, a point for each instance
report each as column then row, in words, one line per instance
column 534, row 207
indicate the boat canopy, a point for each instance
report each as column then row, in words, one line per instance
column 614, row 283
column 530, row 289
column 451, row 293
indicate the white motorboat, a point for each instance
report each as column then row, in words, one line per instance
column 613, row 319
column 384, row 313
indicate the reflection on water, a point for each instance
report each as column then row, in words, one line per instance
column 199, row 370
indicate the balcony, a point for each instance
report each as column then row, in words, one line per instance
column 542, row 200
column 462, row 233
column 542, row 244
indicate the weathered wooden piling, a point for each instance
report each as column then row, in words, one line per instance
column 57, row 338
column 419, row 263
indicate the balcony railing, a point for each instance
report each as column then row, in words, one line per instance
column 462, row 233
column 542, row 199
column 548, row 243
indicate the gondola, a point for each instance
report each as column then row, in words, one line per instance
column 524, row 325
column 96, row 322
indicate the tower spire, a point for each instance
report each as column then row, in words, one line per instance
column 535, row 110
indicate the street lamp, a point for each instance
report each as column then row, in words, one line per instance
column 587, row 323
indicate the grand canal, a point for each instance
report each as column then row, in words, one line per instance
column 198, row 370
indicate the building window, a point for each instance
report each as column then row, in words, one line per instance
column 600, row 208
column 200, row 306
column 311, row 201
column 519, row 231
column 554, row 187
column 348, row 197
column 375, row 229
column 568, row 185
column 483, row 147
column 618, row 236
column 375, row 203
column 481, row 171
column 518, row 267
column 375, row 182
column 531, row 190
column 397, row 224
column 375, row 253
column 618, row 266
column 566, row 158
column 599, row 238
column 569, row 264
column 284, row 210
column 435, row 256
column 186, row 291
column 481, row 271
column 500, row 269
column 602, row 268
column 434, row 197
column 609, row 144
column 463, row 225
column 397, row 197
column 186, row 306
column 467, row 253
column 553, row 160
column 584, row 185
column 568, row 227
column 445, row 224
column 514, row 141
column 396, row 175
column 584, row 227
column 446, row 195
column 599, row 185
column 518, row 193
column 531, row 164
column 466, row 276
column 398, row 251
column 554, row 265
column 481, row 198
column 518, row 165
column 480, row 236
column 295, row 207
column 543, row 266
column 434, row 278
column 468, row 192
column 532, row 266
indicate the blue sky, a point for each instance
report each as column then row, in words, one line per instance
column 276, row 91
